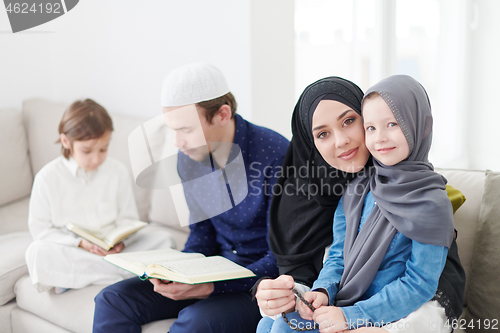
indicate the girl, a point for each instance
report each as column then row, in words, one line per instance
column 84, row 187
column 338, row 99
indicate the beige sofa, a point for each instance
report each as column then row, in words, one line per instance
column 27, row 143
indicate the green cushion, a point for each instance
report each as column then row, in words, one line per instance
column 456, row 197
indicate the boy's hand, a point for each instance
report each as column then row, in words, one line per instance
column 116, row 249
column 92, row 248
column 317, row 300
column 330, row 319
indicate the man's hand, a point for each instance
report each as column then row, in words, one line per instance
column 276, row 296
column 92, row 248
column 317, row 300
column 181, row 291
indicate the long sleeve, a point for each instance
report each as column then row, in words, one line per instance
column 40, row 220
column 265, row 266
column 405, row 294
column 227, row 218
column 202, row 239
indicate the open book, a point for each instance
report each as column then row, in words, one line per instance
column 108, row 239
column 173, row 265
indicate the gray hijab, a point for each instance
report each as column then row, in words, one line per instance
column 410, row 197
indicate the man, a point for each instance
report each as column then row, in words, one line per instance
column 219, row 151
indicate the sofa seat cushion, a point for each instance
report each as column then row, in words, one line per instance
column 72, row 310
column 26, row 322
column 13, row 265
column 15, row 170
column 5, row 315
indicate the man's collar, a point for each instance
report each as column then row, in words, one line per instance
column 240, row 137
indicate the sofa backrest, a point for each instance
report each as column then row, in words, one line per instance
column 41, row 120
column 471, row 184
column 15, row 171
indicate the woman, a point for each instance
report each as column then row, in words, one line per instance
column 301, row 220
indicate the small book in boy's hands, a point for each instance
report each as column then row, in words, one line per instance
column 173, row 265
column 109, row 239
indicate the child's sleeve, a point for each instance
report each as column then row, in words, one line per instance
column 404, row 295
column 40, row 216
column 331, row 273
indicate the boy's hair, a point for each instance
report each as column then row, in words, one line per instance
column 211, row 107
column 84, row 120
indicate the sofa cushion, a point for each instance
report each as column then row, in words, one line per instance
column 26, row 322
column 16, row 178
column 41, row 119
column 483, row 299
column 73, row 310
column 471, row 184
column 14, row 216
column 5, row 315
column 13, row 265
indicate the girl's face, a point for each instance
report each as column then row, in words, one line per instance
column 384, row 138
column 339, row 136
column 89, row 154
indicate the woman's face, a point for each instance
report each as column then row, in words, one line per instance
column 339, row 136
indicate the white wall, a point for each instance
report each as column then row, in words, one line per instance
column 273, row 63
column 483, row 121
column 117, row 52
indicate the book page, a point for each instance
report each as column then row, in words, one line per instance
column 91, row 237
column 202, row 266
column 145, row 258
column 121, row 232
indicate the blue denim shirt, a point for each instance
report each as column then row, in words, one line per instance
column 407, row 278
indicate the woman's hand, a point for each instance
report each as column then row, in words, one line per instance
column 330, row 319
column 317, row 300
column 92, row 248
column 276, row 296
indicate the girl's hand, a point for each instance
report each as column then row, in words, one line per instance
column 92, row 248
column 276, row 296
column 317, row 300
column 330, row 319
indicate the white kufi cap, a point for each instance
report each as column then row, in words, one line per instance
column 192, row 84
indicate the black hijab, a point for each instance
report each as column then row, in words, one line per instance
column 301, row 221
column 300, row 225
